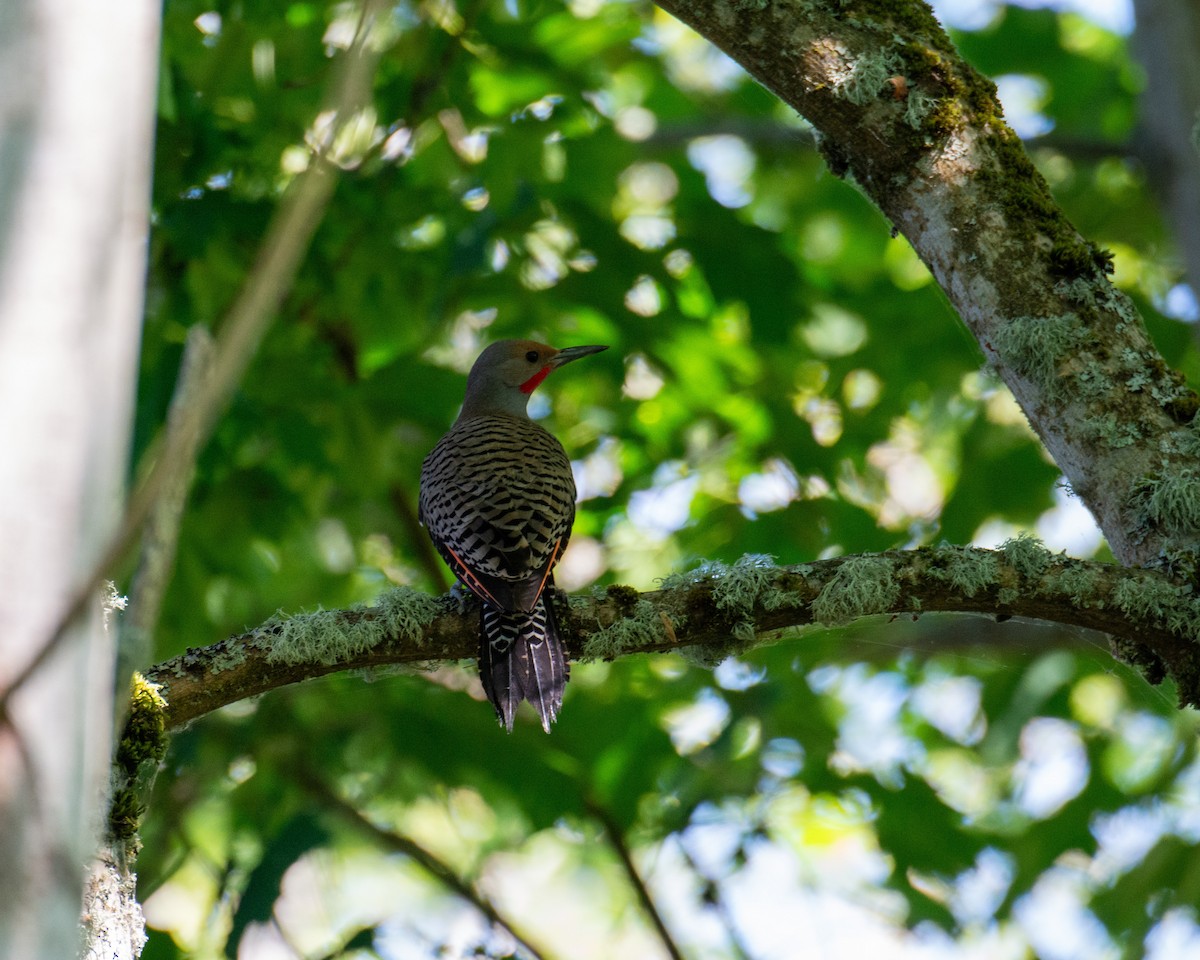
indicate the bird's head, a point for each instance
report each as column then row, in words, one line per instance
column 508, row 371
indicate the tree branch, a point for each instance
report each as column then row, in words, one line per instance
column 718, row 611
column 161, row 532
column 617, row 841
column 425, row 859
column 714, row 898
column 921, row 132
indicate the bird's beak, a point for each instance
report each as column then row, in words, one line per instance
column 567, row 354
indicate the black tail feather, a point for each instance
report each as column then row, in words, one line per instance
column 521, row 658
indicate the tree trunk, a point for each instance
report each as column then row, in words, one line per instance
column 76, row 120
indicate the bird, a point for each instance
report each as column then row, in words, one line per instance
column 497, row 498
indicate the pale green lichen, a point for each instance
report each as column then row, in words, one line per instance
column 1093, row 382
column 870, row 73
column 737, row 589
column 405, row 613
column 227, row 656
column 1077, row 290
column 675, row 581
column 579, row 604
column 1154, row 601
column 1116, row 300
column 641, row 627
column 1187, row 441
column 1150, row 599
column 324, row 636
column 750, row 582
column 863, row 586
column 1139, row 379
column 919, row 104
column 334, row 636
column 1171, row 501
column 1077, row 582
column 1026, row 555
column 1038, row 346
column 1143, row 598
column 967, row 570
column 1115, row 433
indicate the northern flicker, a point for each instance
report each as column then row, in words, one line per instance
column 498, row 500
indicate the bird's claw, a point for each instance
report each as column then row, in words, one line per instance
column 461, row 596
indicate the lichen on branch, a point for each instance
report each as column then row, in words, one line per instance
column 719, row 610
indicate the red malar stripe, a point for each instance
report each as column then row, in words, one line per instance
column 531, row 384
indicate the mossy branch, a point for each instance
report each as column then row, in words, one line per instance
column 716, row 611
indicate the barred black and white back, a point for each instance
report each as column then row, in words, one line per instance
column 498, row 499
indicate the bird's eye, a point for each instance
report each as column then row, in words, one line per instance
column 532, row 356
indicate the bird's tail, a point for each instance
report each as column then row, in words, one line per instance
column 521, row 658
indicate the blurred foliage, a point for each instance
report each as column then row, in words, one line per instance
column 785, row 379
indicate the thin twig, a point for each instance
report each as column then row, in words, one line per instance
column 244, row 326
column 426, row 860
column 717, row 901
column 613, row 832
column 161, row 532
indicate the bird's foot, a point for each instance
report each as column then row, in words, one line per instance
column 462, row 597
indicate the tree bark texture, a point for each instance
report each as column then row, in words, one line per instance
column 710, row 614
column 922, row 134
column 76, row 120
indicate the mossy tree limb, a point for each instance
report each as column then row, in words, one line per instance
column 920, row 131
column 717, row 611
